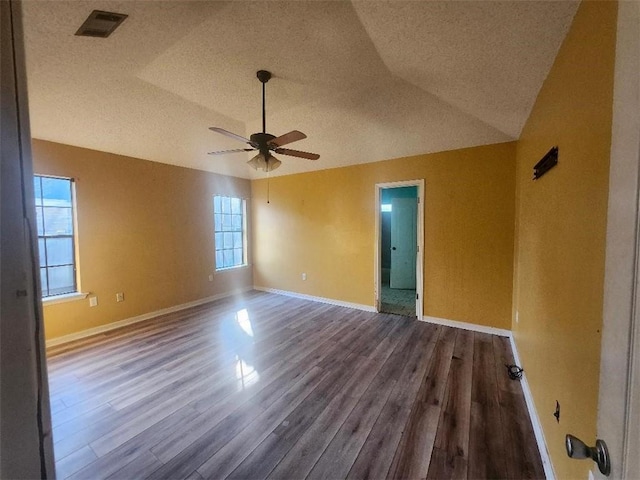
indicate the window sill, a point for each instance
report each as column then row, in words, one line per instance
column 231, row 269
column 67, row 297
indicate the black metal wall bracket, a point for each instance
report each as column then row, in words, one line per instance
column 549, row 161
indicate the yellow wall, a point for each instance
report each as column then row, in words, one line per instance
column 560, row 233
column 144, row 228
column 322, row 223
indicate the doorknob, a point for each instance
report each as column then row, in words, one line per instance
column 577, row 449
column 393, row 248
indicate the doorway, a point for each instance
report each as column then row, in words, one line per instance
column 399, row 236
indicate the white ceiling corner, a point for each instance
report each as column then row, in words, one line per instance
column 365, row 80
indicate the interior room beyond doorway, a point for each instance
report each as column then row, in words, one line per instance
column 398, row 230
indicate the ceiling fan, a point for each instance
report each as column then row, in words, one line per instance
column 264, row 142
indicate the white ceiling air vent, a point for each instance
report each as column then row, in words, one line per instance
column 100, row 24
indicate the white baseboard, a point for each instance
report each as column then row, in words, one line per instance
column 339, row 303
column 139, row 318
column 468, row 326
column 535, row 419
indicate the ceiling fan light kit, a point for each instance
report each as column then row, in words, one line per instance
column 260, row 163
column 264, row 142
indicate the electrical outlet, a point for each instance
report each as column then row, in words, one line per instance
column 120, row 297
column 211, row 277
column 304, row 276
column 93, row 301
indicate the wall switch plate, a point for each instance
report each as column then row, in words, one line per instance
column 517, row 316
column 120, row 297
column 211, row 277
column 93, row 301
column 304, row 276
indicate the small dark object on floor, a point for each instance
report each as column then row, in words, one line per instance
column 515, row 372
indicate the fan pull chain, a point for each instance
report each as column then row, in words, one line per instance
column 267, row 187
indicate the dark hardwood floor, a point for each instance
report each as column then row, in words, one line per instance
column 266, row 386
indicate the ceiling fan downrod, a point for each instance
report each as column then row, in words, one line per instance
column 264, row 76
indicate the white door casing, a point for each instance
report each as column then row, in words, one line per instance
column 403, row 242
column 619, row 395
column 420, row 246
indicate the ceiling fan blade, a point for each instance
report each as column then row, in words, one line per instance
column 229, row 134
column 222, row 152
column 297, row 153
column 290, row 137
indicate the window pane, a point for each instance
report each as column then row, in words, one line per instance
column 56, row 192
column 236, row 205
column 226, row 205
column 37, row 190
column 41, row 252
column 57, row 221
column 219, row 259
column 237, row 256
column 228, row 258
column 39, row 219
column 59, row 251
column 61, row 280
column 226, row 222
column 43, row 282
column 217, row 220
column 228, row 240
column 219, row 241
column 216, row 204
column 237, row 222
column 237, row 239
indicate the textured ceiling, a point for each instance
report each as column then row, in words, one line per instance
column 365, row 80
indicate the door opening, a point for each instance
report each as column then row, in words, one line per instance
column 398, row 248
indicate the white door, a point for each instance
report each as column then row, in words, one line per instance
column 403, row 243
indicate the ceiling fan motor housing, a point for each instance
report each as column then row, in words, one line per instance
column 261, row 138
column 261, row 141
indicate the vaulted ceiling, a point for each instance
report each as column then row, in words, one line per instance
column 365, row 80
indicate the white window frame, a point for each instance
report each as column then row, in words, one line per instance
column 75, row 294
column 245, row 248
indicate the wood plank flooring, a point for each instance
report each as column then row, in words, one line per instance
column 269, row 387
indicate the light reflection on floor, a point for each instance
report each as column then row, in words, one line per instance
column 242, row 317
column 246, row 373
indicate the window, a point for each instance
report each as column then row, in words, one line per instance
column 54, row 216
column 229, row 217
